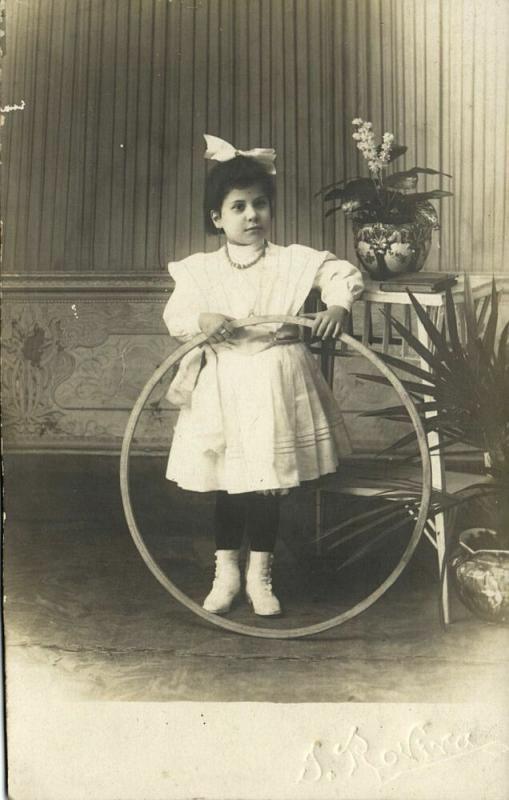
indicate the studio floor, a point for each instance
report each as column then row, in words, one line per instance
column 82, row 608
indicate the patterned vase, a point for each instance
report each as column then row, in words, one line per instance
column 386, row 250
column 481, row 574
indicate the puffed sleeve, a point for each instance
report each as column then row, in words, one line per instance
column 185, row 304
column 339, row 282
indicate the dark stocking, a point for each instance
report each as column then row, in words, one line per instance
column 256, row 513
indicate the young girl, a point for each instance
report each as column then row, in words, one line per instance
column 257, row 415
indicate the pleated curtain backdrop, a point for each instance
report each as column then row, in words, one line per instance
column 104, row 169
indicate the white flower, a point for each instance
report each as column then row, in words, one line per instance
column 365, row 138
column 385, row 152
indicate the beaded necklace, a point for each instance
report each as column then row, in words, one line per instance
column 237, row 265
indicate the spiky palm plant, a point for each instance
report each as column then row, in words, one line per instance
column 463, row 395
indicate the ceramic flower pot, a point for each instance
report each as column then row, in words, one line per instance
column 386, row 250
column 481, row 574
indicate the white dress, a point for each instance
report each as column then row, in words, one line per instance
column 261, row 415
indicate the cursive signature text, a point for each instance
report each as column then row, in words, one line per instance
column 421, row 748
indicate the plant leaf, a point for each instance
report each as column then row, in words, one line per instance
column 414, row 343
column 430, row 424
column 359, row 192
column 335, row 183
column 412, row 369
column 407, row 179
column 400, row 180
column 407, row 366
column 434, row 194
column 424, row 171
column 411, row 387
column 447, row 441
column 365, row 515
column 393, row 514
column 404, row 440
column 452, row 322
column 334, row 194
column 395, row 410
column 491, row 326
column 470, row 316
column 434, row 334
column 332, row 211
column 502, row 347
column 372, row 545
column 362, row 189
column 375, row 514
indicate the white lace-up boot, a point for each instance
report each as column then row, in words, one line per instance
column 226, row 585
column 259, row 584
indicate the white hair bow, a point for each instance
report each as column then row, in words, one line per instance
column 219, row 150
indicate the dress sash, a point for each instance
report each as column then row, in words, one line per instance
column 196, row 383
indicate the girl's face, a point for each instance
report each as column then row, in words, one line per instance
column 245, row 215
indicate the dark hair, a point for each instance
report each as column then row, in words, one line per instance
column 238, row 173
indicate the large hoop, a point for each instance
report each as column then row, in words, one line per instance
column 236, row 627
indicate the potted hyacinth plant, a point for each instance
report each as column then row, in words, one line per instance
column 392, row 222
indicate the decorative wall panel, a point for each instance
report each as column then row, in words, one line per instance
column 75, row 359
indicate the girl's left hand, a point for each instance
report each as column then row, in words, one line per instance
column 329, row 323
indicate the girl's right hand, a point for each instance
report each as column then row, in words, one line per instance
column 216, row 326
